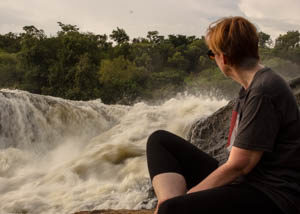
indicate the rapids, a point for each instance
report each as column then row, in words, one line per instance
column 62, row 156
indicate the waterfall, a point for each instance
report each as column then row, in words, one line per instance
column 63, row 156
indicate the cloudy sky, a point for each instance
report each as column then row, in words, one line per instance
column 137, row 17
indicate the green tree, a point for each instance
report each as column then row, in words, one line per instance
column 154, row 37
column 32, row 32
column 264, row 40
column 120, row 79
column 179, row 40
column 67, row 28
column 34, row 58
column 122, row 47
column 10, row 42
column 196, row 55
column 82, row 65
column 73, row 48
column 119, row 36
column 85, row 81
column 287, row 41
column 10, row 73
column 178, row 61
column 287, row 46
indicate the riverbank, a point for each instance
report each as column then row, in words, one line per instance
column 117, row 212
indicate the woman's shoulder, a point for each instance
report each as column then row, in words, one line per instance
column 269, row 83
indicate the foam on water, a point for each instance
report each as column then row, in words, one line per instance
column 61, row 156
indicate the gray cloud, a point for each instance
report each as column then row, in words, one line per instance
column 273, row 16
column 137, row 17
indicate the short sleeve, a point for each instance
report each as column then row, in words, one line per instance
column 259, row 125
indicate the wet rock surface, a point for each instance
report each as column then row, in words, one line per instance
column 117, row 212
column 210, row 134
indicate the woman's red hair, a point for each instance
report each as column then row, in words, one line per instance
column 236, row 38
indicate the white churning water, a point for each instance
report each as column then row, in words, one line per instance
column 62, row 156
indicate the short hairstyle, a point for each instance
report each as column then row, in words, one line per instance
column 235, row 37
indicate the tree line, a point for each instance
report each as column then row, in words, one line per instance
column 83, row 65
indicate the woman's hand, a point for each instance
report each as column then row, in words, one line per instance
column 157, row 206
column 194, row 189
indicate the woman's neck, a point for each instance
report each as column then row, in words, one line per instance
column 245, row 76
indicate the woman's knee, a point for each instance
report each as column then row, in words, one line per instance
column 169, row 206
column 156, row 137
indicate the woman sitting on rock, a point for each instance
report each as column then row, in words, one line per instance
column 262, row 173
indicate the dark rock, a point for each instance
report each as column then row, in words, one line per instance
column 117, row 212
column 210, row 134
column 295, row 85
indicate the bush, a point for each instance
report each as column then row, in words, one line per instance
column 213, row 82
column 285, row 68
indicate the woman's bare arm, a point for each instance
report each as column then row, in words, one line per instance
column 240, row 162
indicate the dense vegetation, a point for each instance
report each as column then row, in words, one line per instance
column 83, row 66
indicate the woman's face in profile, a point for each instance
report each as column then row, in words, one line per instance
column 221, row 62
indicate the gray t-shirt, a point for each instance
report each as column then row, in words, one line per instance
column 268, row 119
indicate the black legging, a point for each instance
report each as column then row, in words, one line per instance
column 167, row 152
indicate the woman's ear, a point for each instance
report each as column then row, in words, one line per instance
column 224, row 59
